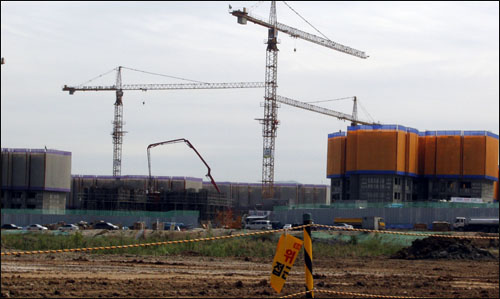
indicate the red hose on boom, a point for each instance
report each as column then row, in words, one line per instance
column 191, row 146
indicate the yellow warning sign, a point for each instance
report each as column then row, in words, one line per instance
column 286, row 252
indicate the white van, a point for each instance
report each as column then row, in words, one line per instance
column 259, row 224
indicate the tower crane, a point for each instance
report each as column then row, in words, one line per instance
column 270, row 121
column 118, row 132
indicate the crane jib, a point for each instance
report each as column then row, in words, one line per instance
column 301, row 34
column 144, row 87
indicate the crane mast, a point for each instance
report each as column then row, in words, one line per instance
column 270, row 121
column 118, row 126
column 117, row 134
column 355, row 112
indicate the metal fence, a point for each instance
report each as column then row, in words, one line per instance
column 356, row 204
column 404, row 216
column 24, row 217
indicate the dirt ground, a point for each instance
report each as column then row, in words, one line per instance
column 91, row 275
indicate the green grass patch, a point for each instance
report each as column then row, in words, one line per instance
column 261, row 246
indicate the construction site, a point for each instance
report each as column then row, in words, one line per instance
column 405, row 206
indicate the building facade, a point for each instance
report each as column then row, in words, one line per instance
column 131, row 193
column 35, row 179
column 394, row 163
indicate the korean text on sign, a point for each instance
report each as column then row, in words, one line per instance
column 286, row 253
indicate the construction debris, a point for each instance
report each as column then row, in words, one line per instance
column 443, row 248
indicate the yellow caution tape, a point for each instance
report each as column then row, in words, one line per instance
column 407, row 234
column 150, row 244
column 346, row 294
column 296, row 294
column 244, row 235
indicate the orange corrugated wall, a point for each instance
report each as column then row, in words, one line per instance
column 421, row 155
column 401, row 151
column 474, row 155
column 330, row 157
column 351, row 150
column 336, row 156
column 491, row 156
column 448, row 158
column 391, row 150
column 342, row 150
column 377, row 150
column 430, row 155
column 412, row 153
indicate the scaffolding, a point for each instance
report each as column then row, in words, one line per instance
column 121, row 199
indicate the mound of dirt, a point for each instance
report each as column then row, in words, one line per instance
column 443, row 248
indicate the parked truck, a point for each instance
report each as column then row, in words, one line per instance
column 476, row 224
column 369, row 222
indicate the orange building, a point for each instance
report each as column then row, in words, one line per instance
column 459, row 154
column 336, row 150
column 379, row 161
column 393, row 162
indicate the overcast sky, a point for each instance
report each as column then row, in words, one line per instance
column 432, row 66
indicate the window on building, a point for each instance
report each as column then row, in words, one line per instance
column 465, row 185
column 408, row 197
column 397, row 195
column 336, row 183
column 397, row 181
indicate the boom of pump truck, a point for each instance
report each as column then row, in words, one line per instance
column 369, row 222
column 476, row 224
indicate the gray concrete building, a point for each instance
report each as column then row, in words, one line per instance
column 41, row 180
column 400, row 188
column 441, row 188
column 35, row 179
column 374, row 188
